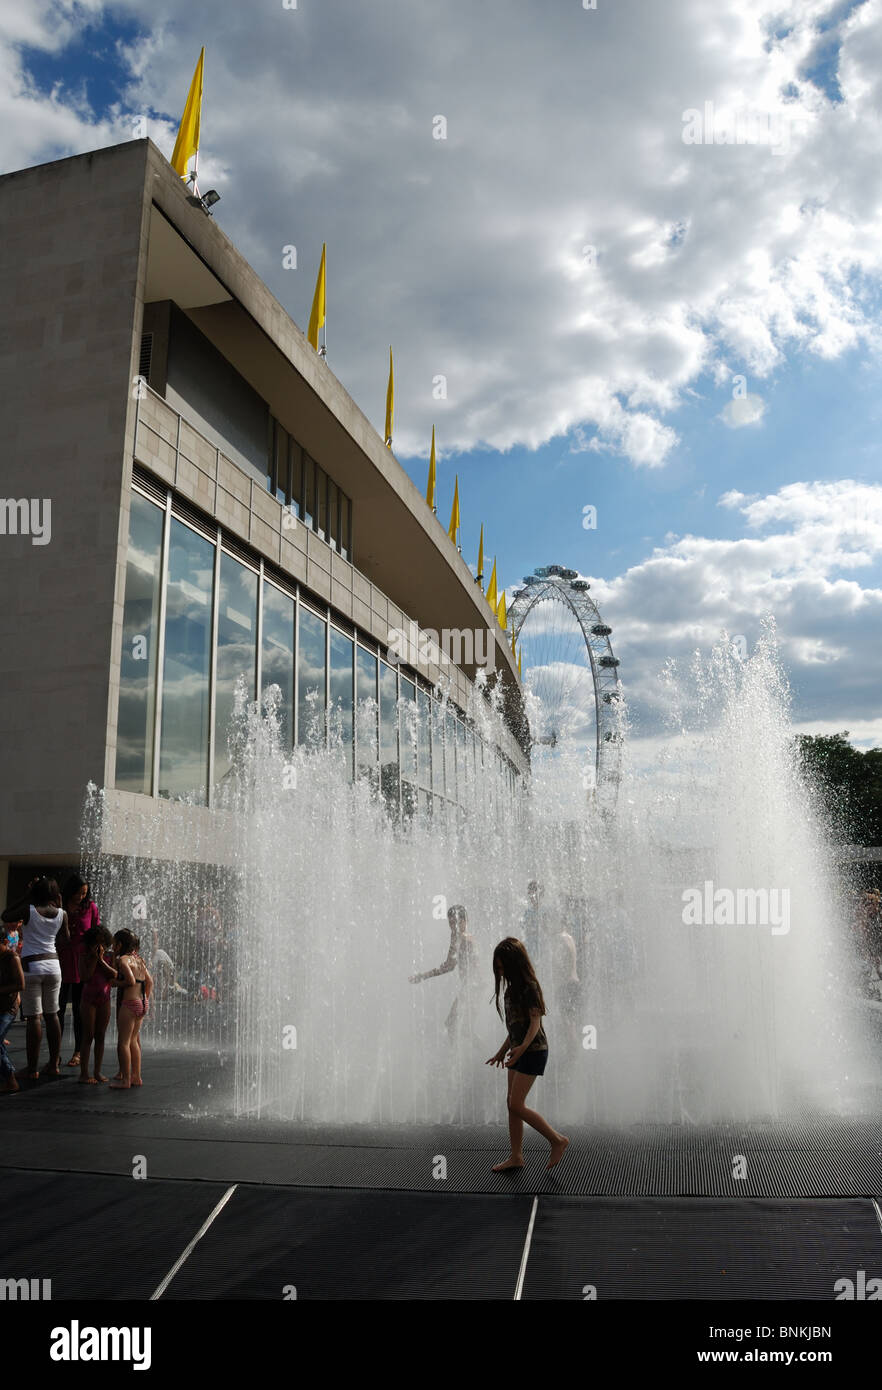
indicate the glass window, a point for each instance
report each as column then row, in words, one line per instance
column 308, row 489
column 333, row 511
column 345, row 527
column 341, row 696
column 366, row 725
column 463, row 781
column 438, row 749
column 311, row 680
column 140, row 643
column 424, row 739
column 321, row 502
column 270, row 455
column 295, row 455
column 236, row 652
column 450, row 751
column 277, row 657
column 183, row 760
column 281, row 464
column 389, row 772
column 408, row 715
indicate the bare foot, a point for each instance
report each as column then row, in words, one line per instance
column 136, row 1081
column 100, row 1078
column 33, row 1076
column 558, row 1149
column 509, row 1163
column 75, row 1060
column 86, row 1081
column 11, row 1085
column 120, row 1086
column 53, row 1071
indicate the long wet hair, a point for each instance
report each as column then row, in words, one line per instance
column 512, row 966
column 128, row 941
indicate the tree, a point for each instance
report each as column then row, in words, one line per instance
column 849, row 783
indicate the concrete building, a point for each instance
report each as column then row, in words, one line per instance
column 190, row 495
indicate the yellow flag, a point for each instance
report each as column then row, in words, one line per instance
column 317, row 317
column 481, row 556
column 492, row 597
column 520, row 672
column 501, row 613
column 430, row 489
column 187, row 142
column 454, row 514
column 390, row 401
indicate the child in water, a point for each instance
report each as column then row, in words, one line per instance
column 526, row 1046
column 97, row 975
column 136, row 986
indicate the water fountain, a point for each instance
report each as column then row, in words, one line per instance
column 294, row 958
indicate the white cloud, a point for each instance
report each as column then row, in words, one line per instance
column 743, row 410
column 564, row 133
column 798, row 571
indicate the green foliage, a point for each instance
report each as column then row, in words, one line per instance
column 850, row 783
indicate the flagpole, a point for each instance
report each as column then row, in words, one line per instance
column 323, row 354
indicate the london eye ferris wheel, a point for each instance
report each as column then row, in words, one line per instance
column 573, row 694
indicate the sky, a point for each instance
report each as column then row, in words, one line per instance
column 628, row 258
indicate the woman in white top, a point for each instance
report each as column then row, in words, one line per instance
column 44, row 923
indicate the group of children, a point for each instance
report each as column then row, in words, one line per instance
column 31, row 976
column 31, row 973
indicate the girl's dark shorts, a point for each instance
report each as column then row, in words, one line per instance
column 532, row 1063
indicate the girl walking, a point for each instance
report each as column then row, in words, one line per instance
column 526, row 1047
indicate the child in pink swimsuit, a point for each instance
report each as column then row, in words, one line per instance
column 97, row 975
column 136, row 984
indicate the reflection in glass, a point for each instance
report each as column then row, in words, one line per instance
column 183, row 762
column 277, row 654
column 463, row 780
column 311, row 680
column 437, row 748
column 341, row 696
column 424, row 739
column 140, row 642
column 236, row 651
column 367, row 714
column 389, row 734
column 450, row 749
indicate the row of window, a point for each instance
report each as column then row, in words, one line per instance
column 298, row 482
column 197, row 619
